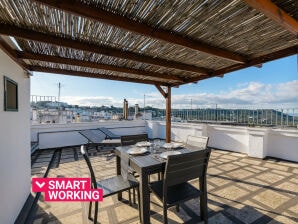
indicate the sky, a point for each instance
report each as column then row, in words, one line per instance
column 275, row 85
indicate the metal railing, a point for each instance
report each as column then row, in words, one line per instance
column 248, row 117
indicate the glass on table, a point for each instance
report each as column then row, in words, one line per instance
column 156, row 142
column 152, row 148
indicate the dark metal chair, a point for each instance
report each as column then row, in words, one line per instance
column 108, row 133
column 133, row 139
column 98, row 139
column 174, row 189
column 112, row 185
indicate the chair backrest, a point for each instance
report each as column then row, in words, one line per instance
column 108, row 133
column 86, row 157
column 93, row 136
column 133, row 139
column 197, row 142
column 186, row 166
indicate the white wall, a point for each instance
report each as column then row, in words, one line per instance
column 255, row 142
column 15, row 162
column 229, row 138
column 283, row 144
column 60, row 135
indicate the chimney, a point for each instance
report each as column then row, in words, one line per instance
column 136, row 109
column 125, row 109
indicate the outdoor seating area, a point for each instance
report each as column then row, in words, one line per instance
column 240, row 189
column 166, row 45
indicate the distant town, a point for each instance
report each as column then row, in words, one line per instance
column 60, row 112
column 47, row 112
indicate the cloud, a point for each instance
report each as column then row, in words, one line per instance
column 252, row 95
column 89, row 100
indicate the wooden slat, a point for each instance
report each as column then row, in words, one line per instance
column 76, row 62
column 12, row 54
column 15, row 31
column 89, row 11
column 273, row 12
column 259, row 60
column 91, row 75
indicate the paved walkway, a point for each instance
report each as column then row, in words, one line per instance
column 240, row 190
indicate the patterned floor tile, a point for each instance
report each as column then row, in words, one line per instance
column 240, row 190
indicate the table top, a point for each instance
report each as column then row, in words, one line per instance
column 150, row 161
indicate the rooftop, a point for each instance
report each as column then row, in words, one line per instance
column 241, row 189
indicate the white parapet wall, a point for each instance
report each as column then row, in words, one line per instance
column 63, row 135
column 255, row 142
column 283, row 143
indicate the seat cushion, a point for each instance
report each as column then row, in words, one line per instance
column 176, row 194
column 117, row 184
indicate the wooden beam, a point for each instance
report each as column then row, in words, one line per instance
column 12, row 54
column 93, row 75
column 168, row 115
column 259, row 60
column 167, row 96
column 92, row 12
column 162, row 92
column 269, row 9
column 49, row 38
column 256, row 61
column 76, row 62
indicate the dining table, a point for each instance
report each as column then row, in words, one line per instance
column 145, row 164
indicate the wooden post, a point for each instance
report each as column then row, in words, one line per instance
column 167, row 96
column 168, row 115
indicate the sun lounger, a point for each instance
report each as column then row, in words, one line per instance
column 108, row 133
column 97, row 138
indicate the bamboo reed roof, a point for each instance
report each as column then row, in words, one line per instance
column 158, row 42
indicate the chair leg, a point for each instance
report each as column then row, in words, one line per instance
column 204, row 207
column 177, row 208
column 165, row 214
column 90, row 208
column 95, row 213
column 139, row 206
column 134, row 195
column 129, row 197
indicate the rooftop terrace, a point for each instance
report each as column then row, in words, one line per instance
column 241, row 189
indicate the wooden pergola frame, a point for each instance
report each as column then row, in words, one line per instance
column 168, row 80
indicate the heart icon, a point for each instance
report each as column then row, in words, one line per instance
column 40, row 185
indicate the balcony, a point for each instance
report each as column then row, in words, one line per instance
column 241, row 188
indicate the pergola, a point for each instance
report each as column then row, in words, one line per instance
column 157, row 42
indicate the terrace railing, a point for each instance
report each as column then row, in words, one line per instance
column 247, row 117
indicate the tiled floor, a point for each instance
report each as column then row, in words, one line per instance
column 240, row 190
